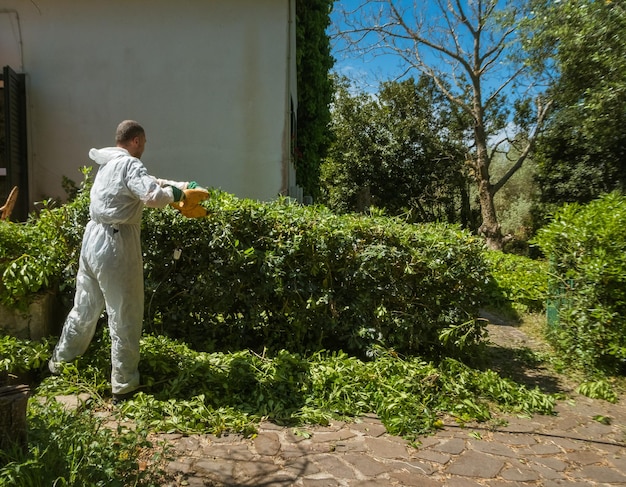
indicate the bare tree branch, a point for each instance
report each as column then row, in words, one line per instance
column 542, row 111
column 463, row 48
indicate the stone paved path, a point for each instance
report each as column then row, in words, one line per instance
column 571, row 448
column 582, row 445
column 568, row 449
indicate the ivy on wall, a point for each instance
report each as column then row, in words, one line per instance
column 314, row 62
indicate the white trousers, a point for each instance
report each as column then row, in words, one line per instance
column 110, row 276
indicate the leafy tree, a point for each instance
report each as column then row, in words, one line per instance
column 515, row 202
column 464, row 48
column 583, row 151
column 314, row 62
column 347, row 171
column 399, row 151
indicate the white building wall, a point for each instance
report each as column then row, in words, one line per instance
column 208, row 79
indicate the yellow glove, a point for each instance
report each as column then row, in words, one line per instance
column 189, row 206
column 194, row 196
column 195, row 212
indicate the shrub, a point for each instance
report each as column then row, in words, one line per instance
column 17, row 355
column 587, row 250
column 517, row 281
column 279, row 275
column 43, row 252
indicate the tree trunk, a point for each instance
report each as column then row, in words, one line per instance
column 489, row 228
column 13, row 430
column 363, row 199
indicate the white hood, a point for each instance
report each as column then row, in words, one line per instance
column 122, row 187
column 102, row 156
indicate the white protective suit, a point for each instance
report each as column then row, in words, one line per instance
column 110, row 273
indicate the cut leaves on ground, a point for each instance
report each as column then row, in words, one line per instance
column 199, row 392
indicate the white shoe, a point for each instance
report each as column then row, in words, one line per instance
column 54, row 367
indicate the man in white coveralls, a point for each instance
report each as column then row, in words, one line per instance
column 110, row 273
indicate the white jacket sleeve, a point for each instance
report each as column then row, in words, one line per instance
column 146, row 187
column 182, row 185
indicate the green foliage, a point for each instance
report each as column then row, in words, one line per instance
column 515, row 201
column 74, row 449
column 188, row 391
column 582, row 152
column 313, row 61
column 255, row 275
column 17, row 355
column 518, row 281
column 42, row 253
column 587, row 249
column 599, row 389
column 410, row 395
column 401, row 151
column 472, row 53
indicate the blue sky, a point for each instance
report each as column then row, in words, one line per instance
column 368, row 71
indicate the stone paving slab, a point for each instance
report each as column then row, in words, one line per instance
column 569, row 449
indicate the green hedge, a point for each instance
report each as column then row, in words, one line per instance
column 40, row 254
column 281, row 276
column 587, row 249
